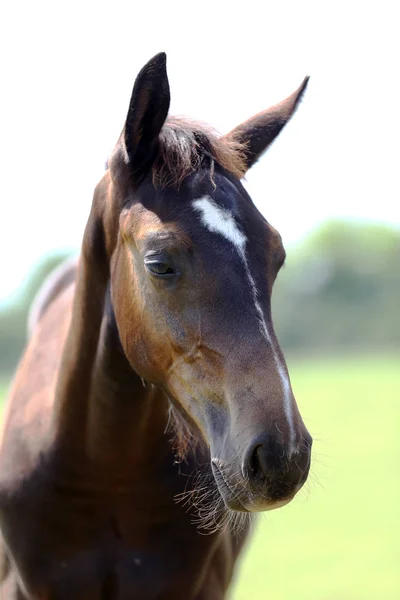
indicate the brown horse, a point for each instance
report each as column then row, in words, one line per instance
column 162, row 329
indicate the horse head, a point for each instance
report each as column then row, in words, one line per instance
column 192, row 267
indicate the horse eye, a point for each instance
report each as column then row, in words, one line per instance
column 159, row 268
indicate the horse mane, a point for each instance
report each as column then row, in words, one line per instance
column 186, row 145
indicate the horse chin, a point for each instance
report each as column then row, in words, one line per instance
column 236, row 504
column 250, row 505
column 269, row 505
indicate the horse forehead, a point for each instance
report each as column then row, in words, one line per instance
column 220, row 220
column 216, row 205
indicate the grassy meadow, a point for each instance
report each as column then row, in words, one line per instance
column 340, row 538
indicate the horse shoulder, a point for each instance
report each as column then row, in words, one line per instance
column 27, row 418
column 26, row 423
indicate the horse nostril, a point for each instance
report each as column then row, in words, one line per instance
column 261, row 457
column 258, row 462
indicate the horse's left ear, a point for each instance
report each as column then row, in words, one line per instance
column 260, row 131
column 148, row 110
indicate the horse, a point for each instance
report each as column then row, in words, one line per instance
column 153, row 403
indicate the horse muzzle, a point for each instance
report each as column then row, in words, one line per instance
column 267, row 477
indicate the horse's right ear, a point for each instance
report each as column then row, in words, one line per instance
column 147, row 112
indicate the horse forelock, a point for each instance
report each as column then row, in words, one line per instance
column 186, row 145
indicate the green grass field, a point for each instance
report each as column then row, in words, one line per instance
column 340, row 538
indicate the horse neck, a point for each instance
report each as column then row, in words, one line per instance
column 102, row 412
column 127, row 418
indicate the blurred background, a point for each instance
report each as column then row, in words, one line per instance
column 329, row 184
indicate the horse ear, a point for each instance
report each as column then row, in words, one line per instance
column 258, row 132
column 147, row 112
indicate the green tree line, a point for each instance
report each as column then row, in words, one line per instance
column 14, row 315
column 341, row 290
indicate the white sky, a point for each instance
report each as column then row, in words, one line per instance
column 67, row 74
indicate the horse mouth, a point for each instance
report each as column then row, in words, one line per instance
column 238, row 500
column 229, row 496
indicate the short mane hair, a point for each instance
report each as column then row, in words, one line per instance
column 186, row 145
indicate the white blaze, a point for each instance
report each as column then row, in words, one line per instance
column 221, row 220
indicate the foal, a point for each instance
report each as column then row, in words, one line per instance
column 165, row 323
